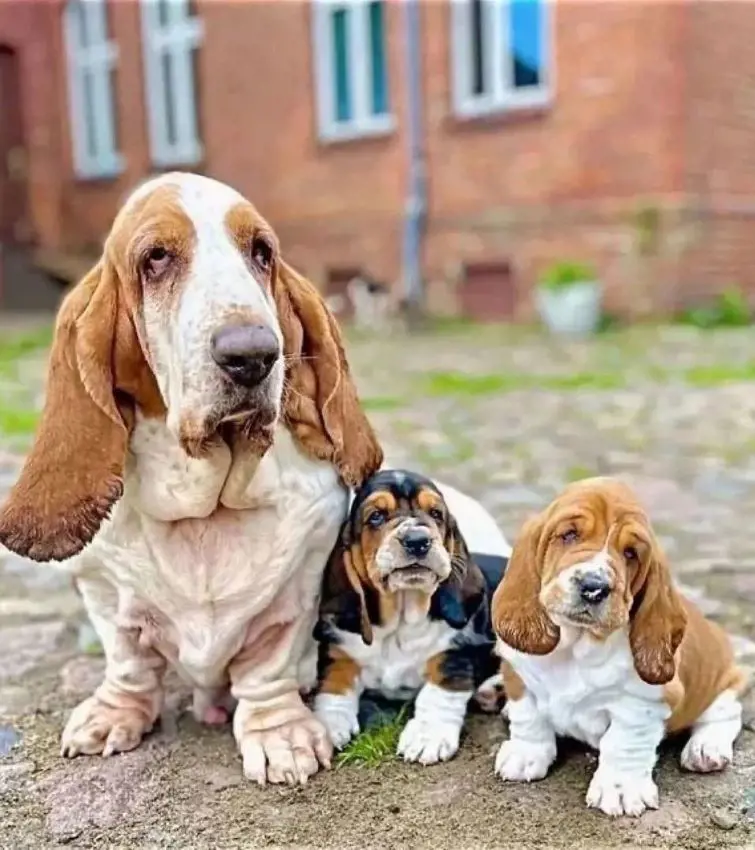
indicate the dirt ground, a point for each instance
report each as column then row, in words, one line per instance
column 509, row 416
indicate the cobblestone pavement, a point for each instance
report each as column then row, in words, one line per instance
column 510, row 416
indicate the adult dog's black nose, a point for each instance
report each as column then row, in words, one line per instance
column 416, row 542
column 593, row 588
column 246, row 353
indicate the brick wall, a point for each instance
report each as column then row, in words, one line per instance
column 651, row 121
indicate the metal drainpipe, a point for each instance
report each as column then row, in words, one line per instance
column 415, row 210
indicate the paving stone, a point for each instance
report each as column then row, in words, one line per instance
column 25, row 646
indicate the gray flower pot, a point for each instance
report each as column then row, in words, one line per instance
column 572, row 310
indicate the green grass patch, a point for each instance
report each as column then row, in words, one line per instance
column 17, row 421
column 19, row 345
column 376, row 745
column 712, row 376
column 381, row 402
column 465, row 384
column 577, row 473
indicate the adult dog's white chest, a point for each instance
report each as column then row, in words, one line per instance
column 395, row 662
column 575, row 685
column 205, row 555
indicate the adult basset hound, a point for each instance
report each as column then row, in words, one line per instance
column 200, row 433
column 405, row 611
column 598, row 645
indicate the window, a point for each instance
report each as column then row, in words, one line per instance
column 91, row 61
column 351, row 74
column 171, row 35
column 500, row 55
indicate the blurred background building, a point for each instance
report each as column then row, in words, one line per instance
column 489, row 137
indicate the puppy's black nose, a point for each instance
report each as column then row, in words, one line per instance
column 246, row 353
column 593, row 588
column 416, row 542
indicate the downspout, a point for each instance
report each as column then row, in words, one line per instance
column 415, row 210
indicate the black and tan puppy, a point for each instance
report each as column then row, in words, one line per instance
column 406, row 610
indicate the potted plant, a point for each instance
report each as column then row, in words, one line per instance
column 568, row 299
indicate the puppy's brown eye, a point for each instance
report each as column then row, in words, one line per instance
column 157, row 261
column 262, row 253
column 436, row 514
column 630, row 554
column 376, row 519
column 570, row 536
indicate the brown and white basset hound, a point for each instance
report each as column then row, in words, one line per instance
column 200, row 433
column 598, row 645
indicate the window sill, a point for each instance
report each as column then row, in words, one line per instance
column 189, row 158
column 357, row 131
column 100, row 174
column 505, row 113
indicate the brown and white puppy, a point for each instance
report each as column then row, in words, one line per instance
column 598, row 645
column 405, row 609
column 192, row 465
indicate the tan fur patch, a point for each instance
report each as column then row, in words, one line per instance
column 512, row 683
column 340, row 673
column 434, row 670
column 321, row 403
column 427, row 500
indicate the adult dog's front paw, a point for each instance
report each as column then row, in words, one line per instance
column 618, row 794
column 95, row 727
column 522, row 761
column 428, row 743
column 289, row 753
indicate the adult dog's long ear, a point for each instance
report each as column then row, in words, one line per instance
column 518, row 617
column 321, row 403
column 74, row 473
column 460, row 596
column 657, row 622
column 343, row 601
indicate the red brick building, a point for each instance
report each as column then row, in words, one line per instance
column 620, row 133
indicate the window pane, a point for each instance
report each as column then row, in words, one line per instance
column 79, row 12
column 162, row 12
column 476, row 48
column 341, row 81
column 377, row 57
column 169, row 93
column 526, row 42
column 90, row 116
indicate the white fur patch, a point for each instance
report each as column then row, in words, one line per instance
column 588, row 690
column 196, row 587
column 432, row 735
column 339, row 714
column 711, row 744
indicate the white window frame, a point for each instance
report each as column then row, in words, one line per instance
column 95, row 58
column 500, row 94
column 178, row 37
column 364, row 122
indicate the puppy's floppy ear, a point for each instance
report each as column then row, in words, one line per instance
column 518, row 617
column 74, row 473
column 457, row 599
column 657, row 622
column 343, row 601
column 321, row 402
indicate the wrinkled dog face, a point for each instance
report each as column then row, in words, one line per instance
column 401, row 521
column 205, row 261
column 596, row 549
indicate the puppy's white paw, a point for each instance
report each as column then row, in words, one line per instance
column 428, row 743
column 522, row 761
column 707, row 752
column 342, row 725
column 618, row 794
